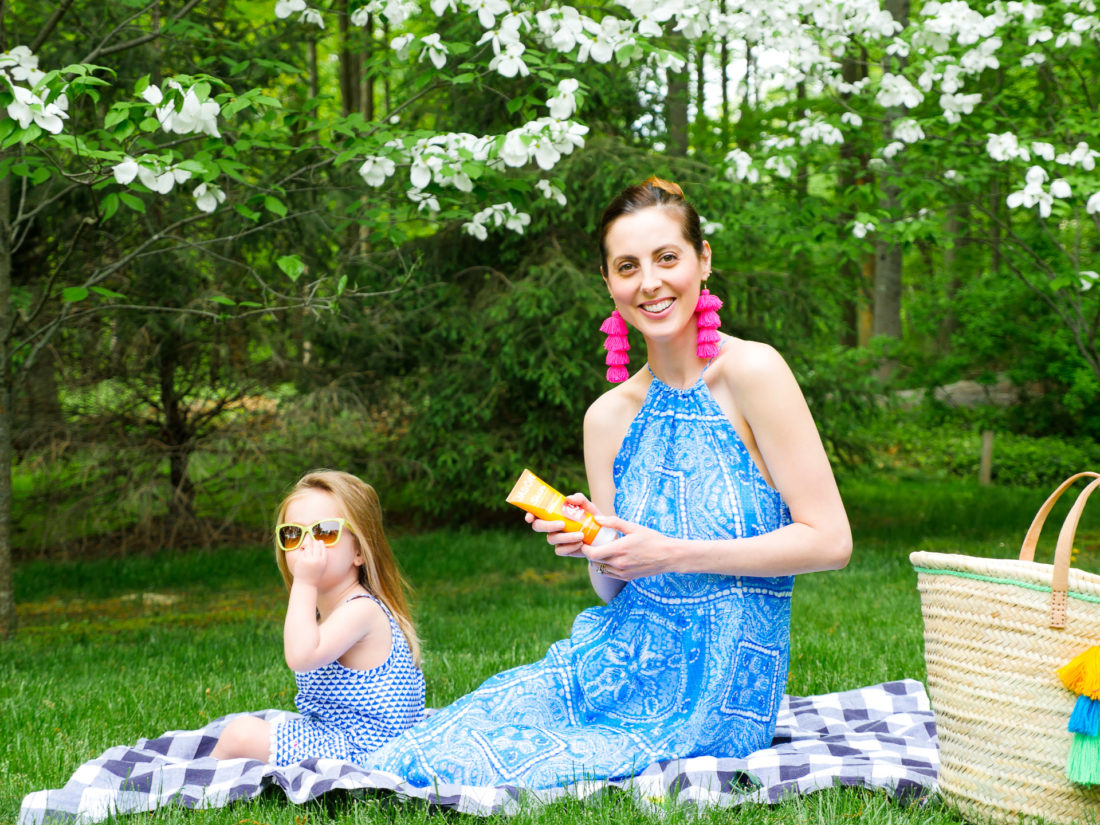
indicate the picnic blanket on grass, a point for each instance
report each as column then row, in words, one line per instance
column 882, row 736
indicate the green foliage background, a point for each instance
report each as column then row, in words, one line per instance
column 315, row 321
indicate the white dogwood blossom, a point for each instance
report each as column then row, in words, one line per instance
column 954, row 106
column 1033, row 193
column 435, row 50
column 208, row 196
column 27, row 108
column 550, row 192
column 509, row 62
column 564, row 104
column 1092, row 206
column 35, row 102
column 908, row 131
column 21, row 65
column 400, row 45
column 816, row 130
column 497, row 215
column 487, row 10
column 1081, row 156
column 896, row 90
column 1043, row 150
column 153, row 174
column 285, row 8
column 782, row 166
column 739, row 166
column 425, row 201
column 1006, row 146
column 710, row 227
column 313, row 16
column 375, row 170
column 194, row 115
column 862, row 228
column 938, row 62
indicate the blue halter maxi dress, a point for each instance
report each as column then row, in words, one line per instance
column 676, row 665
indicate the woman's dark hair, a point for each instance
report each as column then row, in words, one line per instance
column 652, row 192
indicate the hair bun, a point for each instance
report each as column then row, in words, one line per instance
column 664, row 185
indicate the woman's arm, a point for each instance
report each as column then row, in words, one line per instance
column 819, row 537
column 600, row 447
column 605, row 426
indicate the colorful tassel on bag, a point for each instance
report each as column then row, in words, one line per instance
column 616, row 345
column 707, row 323
column 1082, row 676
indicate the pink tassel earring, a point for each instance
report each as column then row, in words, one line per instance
column 707, row 323
column 616, row 346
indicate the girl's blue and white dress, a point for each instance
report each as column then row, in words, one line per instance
column 677, row 665
column 346, row 713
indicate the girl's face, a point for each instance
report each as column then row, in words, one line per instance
column 343, row 557
column 653, row 272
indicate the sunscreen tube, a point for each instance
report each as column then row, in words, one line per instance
column 537, row 497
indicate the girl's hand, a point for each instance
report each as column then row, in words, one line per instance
column 309, row 566
column 566, row 544
column 637, row 553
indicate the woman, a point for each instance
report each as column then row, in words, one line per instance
column 722, row 492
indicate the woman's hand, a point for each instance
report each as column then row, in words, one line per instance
column 566, row 544
column 637, row 553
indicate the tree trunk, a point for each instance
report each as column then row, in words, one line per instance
column 888, row 258
column 7, row 590
column 852, row 164
column 955, row 230
column 37, row 403
column 676, row 107
column 888, row 272
column 177, row 437
column 366, row 93
column 349, row 65
column 699, row 139
column 724, row 61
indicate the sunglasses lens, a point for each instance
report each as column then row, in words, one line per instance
column 290, row 536
column 327, row 532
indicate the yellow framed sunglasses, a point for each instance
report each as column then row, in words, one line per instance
column 290, row 536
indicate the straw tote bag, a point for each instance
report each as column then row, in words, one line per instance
column 995, row 633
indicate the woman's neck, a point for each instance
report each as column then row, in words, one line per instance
column 675, row 363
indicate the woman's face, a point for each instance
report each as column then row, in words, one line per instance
column 653, row 272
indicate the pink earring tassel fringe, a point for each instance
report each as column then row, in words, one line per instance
column 616, row 345
column 707, row 322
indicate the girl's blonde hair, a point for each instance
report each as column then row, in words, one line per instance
column 379, row 573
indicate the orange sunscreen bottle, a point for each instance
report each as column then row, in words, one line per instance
column 537, row 497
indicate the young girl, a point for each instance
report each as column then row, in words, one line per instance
column 348, row 636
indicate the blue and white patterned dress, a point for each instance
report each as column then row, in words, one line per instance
column 677, row 665
column 347, row 713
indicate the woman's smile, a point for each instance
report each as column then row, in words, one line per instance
column 658, row 306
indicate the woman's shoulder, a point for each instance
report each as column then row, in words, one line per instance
column 619, row 403
column 743, row 364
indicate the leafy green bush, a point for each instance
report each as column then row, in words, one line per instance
column 951, row 451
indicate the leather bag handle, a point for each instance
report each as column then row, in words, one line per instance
column 1031, row 539
column 1059, row 583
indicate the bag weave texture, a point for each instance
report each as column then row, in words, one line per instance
column 992, row 655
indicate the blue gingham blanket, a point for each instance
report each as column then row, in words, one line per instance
column 882, row 736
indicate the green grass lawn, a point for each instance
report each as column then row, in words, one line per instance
column 112, row 650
